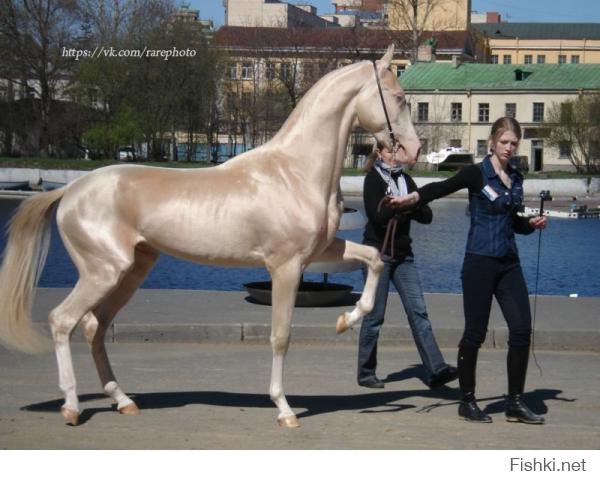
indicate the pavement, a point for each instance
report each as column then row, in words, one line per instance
column 198, row 365
column 215, row 396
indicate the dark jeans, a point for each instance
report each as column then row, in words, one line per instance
column 405, row 277
column 485, row 277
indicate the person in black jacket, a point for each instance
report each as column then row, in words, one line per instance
column 491, row 266
column 388, row 230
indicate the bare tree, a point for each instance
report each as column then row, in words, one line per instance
column 32, row 35
column 417, row 17
column 575, row 130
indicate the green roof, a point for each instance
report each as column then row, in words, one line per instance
column 541, row 31
column 480, row 76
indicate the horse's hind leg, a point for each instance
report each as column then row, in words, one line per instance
column 96, row 324
column 63, row 319
column 286, row 279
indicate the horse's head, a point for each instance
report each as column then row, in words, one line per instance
column 371, row 106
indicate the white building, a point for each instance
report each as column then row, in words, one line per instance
column 455, row 105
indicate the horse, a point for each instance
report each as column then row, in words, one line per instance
column 277, row 206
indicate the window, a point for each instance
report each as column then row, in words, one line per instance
column 482, row 148
column 456, row 112
column 232, row 71
column 506, row 59
column 574, row 58
column 309, row 72
column 562, row 59
column 541, row 59
column 247, row 71
column 494, row 59
column 538, row 112
column 270, row 71
column 286, row 71
column 510, row 110
column 423, row 112
column 528, row 59
column 400, row 71
column 564, row 150
column 484, row 112
column 231, row 100
column 566, row 112
column 456, row 142
column 595, row 149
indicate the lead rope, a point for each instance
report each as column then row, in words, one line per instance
column 535, row 295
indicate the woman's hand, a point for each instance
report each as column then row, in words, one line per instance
column 404, row 201
column 538, row 223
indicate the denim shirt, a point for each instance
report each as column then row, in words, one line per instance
column 493, row 209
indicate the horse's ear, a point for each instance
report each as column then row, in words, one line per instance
column 386, row 60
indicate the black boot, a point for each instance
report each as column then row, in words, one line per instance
column 516, row 410
column 469, row 411
column 467, row 362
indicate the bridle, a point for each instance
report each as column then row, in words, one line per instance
column 395, row 144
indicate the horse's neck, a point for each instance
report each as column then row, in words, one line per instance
column 316, row 133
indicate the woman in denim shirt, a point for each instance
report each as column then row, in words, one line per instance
column 491, row 266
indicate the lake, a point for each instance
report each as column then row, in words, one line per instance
column 570, row 257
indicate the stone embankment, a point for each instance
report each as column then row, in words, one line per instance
column 578, row 187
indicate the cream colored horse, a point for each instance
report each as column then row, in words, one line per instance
column 277, row 206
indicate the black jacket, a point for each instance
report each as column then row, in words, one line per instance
column 378, row 217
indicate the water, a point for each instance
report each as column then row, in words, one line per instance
column 570, row 257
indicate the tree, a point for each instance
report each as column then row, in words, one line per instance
column 418, row 17
column 575, row 129
column 32, row 35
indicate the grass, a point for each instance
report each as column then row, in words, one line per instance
column 80, row 164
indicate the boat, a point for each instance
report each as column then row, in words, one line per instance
column 23, row 185
column 579, row 213
column 450, row 158
column 48, row 185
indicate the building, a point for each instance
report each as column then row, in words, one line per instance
column 272, row 14
column 540, row 43
column 455, row 104
column 443, row 15
column 192, row 17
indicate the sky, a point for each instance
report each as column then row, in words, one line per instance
column 511, row 10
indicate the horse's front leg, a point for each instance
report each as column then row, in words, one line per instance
column 344, row 250
column 286, row 279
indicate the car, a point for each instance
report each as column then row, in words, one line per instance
column 126, row 154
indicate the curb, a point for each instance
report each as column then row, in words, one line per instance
column 391, row 335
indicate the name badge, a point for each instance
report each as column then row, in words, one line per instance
column 490, row 193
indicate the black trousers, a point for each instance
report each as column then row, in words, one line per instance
column 484, row 278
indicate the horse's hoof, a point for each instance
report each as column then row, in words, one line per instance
column 290, row 422
column 342, row 324
column 70, row 415
column 130, row 409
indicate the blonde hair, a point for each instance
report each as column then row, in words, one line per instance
column 370, row 163
column 505, row 124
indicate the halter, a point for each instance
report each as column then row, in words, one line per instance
column 395, row 144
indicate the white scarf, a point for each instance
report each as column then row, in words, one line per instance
column 398, row 189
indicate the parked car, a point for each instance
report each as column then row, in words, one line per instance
column 126, row 154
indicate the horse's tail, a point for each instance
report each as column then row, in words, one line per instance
column 24, row 258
